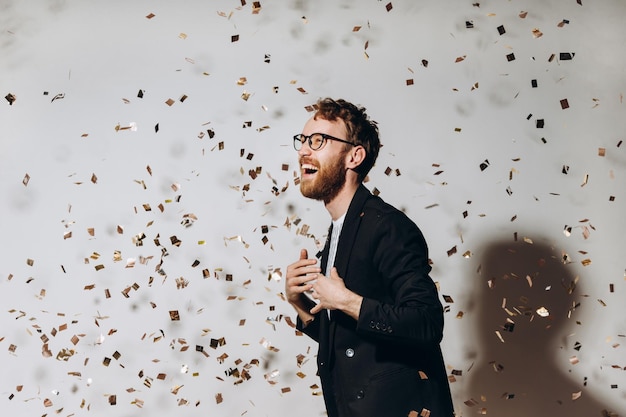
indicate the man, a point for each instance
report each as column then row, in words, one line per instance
column 374, row 310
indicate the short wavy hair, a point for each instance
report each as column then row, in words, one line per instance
column 361, row 130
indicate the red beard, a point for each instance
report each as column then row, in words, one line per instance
column 326, row 182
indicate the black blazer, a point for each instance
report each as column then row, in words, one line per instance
column 389, row 362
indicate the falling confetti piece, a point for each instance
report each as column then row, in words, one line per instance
column 58, row 97
column 10, row 98
column 543, row 312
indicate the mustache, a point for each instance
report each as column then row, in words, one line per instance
column 309, row 161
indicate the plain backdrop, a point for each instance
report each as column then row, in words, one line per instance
column 149, row 202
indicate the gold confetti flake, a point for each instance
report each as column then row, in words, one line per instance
column 150, row 16
column 471, row 402
column 543, row 312
column 26, row 179
column 10, row 98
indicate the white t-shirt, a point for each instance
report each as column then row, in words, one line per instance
column 334, row 241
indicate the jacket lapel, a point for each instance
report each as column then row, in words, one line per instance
column 349, row 230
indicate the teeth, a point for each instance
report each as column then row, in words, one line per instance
column 309, row 168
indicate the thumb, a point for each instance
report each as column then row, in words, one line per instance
column 304, row 254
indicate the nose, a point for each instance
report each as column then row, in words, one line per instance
column 305, row 149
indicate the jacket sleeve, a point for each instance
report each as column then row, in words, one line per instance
column 409, row 310
column 312, row 329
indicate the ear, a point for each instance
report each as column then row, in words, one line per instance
column 355, row 157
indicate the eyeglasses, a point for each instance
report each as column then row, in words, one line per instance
column 316, row 140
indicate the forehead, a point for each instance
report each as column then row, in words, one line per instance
column 335, row 128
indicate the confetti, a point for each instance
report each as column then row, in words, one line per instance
column 58, row 97
column 10, row 98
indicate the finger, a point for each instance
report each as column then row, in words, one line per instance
column 302, row 263
column 301, row 289
column 304, row 254
column 302, row 267
column 316, row 309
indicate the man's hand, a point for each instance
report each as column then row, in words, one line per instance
column 300, row 275
column 332, row 294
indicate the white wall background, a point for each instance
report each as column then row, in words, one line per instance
column 81, row 160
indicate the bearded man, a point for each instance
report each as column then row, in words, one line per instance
column 369, row 302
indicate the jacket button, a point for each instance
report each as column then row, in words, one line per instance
column 360, row 394
column 372, row 324
column 349, row 352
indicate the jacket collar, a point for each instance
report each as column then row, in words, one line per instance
column 350, row 228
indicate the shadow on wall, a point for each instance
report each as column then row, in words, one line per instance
column 524, row 299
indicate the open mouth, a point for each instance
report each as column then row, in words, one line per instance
column 308, row 169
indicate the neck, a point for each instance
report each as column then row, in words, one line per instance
column 338, row 206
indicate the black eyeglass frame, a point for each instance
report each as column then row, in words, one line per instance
column 299, row 139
